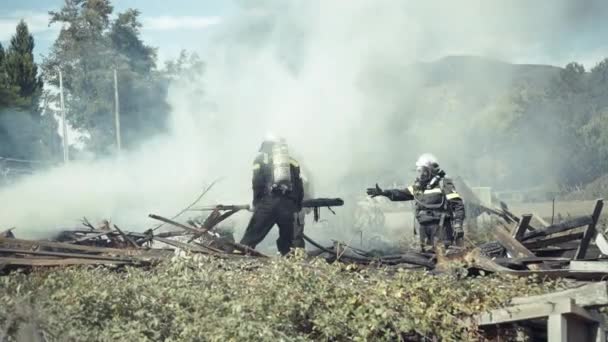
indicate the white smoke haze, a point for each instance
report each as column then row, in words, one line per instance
column 329, row 76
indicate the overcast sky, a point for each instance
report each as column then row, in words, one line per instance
column 168, row 25
column 544, row 31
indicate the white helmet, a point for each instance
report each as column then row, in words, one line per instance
column 426, row 167
column 426, row 160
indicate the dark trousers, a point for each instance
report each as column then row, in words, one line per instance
column 432, row 232
column 298, row 231
column 268, row 211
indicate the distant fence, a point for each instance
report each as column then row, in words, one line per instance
column 13, row 168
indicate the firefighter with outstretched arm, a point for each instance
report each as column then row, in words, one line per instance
column 439, row 209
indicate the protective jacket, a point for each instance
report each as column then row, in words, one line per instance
column 433, row 205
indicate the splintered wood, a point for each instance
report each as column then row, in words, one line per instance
column 114, row 247
column 564, row 249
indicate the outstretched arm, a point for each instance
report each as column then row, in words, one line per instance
column 392, row 194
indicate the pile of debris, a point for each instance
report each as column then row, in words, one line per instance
column 564, row 249
column 112, row 246
column 575, row 248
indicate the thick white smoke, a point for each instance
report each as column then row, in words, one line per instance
column 329, row 76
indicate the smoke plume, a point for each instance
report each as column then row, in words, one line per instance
column 343, row 81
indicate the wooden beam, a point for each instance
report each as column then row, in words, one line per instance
column 531, row 260
column 590, row 231
column 10, row 261
column 62, row 245
column 560, row 227
column 476, row 259
column 533, row 311
column 522, row 226
column 592, row 266
column 66, row 255
column 590, row 295
column 177, row 224
column 514, row 247
column 553, row 241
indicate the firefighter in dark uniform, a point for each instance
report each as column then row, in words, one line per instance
column 277, row 195
column 439, row 209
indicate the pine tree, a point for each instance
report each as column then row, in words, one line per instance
column 21, row 132
column 8, row 92
column 21, row 70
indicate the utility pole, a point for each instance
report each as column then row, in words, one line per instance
column 116, row 111
column 66, row 153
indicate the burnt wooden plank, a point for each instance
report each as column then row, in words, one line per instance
column 522, row 226
column 514, row 247
column 560, row 227
column 177, row 224
column 532, row 260
column 11, row 261
column 590, row 231
column 553, row 241
column 61, row 254
column 553, row 252
column 61, row 245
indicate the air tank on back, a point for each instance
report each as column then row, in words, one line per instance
column 281, row 168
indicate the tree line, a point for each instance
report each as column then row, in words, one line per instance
column 92, row 43
column 568, row 119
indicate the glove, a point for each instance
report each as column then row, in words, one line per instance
column 458, row 231
column 375, row 191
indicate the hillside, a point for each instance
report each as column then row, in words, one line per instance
column 480, row 116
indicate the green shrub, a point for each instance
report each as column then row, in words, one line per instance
column 197, row 298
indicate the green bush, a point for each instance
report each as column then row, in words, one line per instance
column 197, row 298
